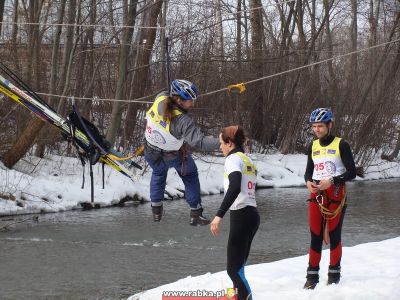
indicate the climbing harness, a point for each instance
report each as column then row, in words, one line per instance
column 324, row 202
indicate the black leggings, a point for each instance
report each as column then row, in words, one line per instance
column 244, row 225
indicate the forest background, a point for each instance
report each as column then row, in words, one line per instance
column 293, row 56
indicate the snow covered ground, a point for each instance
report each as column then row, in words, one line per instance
column 369, row 272
column 54, row 183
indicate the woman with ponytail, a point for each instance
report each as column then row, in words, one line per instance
column 239, row 186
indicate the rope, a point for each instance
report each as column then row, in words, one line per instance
column 140, row 100
column 303, row 67
column 135, row 154
column 137, row 100
column 328, row 214
column 84, row 25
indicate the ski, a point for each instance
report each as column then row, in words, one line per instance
column 47, row 114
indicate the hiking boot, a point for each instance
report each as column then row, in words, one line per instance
column 333, row 275
column 157, row 212
column 197, row 218
column 312, row 278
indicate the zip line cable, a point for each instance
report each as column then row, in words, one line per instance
column 137, row 100
column 228, row 88
column 303, row 67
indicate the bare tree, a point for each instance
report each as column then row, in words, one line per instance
column 63, row 82
column 140, row 78
column 87, row 49
column 53, row 73
column 331, row 73
column 215, row 43
column 1, row 13
column 116, row 114
column 257, row 36
column 29, row 134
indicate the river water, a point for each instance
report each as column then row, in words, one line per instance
column 116, row 252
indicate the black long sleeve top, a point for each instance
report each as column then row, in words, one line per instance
column 345, row 154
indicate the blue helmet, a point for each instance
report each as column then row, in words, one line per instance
column 323, row 115
column 184, row 89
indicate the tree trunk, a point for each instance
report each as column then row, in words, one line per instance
column 163, row 23
column 14, row 34
column 220, row 36
column 116, row 114
column 53, row 75
column 55, row 55
column 33, row 43
column 395, row 152
column 88, row 42
column 316, row 82
column 219, row 54
column 246, row 30
column 373, row 20
column 26, row 139
column 140, row 78
column 237, row 111
column 277, row 133
column 332, row 82
column 257, row 36
column 68, row 46
column 24, row 143
column 353, row 59
column 1, row 13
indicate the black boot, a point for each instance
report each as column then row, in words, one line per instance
column 312, row 278
column 333, row 275
column 157, row 212
column 197, row 218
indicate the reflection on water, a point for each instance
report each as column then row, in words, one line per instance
column 114, row 253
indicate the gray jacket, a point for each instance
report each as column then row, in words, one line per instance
column 183, row 127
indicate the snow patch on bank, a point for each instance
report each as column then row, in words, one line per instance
column 54, row 183
column 369, row 272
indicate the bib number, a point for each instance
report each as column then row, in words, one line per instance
column 319, row 167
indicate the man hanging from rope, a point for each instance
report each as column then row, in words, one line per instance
column 169, row 128
column 330, row 164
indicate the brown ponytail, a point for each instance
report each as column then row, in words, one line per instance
column 168, row 108
column 234, row 134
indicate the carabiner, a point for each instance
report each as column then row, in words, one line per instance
column 320, row 199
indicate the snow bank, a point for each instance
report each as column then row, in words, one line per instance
column 54, row 183
column 369, row 272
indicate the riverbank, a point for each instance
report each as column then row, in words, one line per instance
column 117, row 252
column 370, row 271
column 53, row 184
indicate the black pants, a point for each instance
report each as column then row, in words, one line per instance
column 244, row 225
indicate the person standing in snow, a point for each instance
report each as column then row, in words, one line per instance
column 330, row 164
column 169, row 129
column 239, row 185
